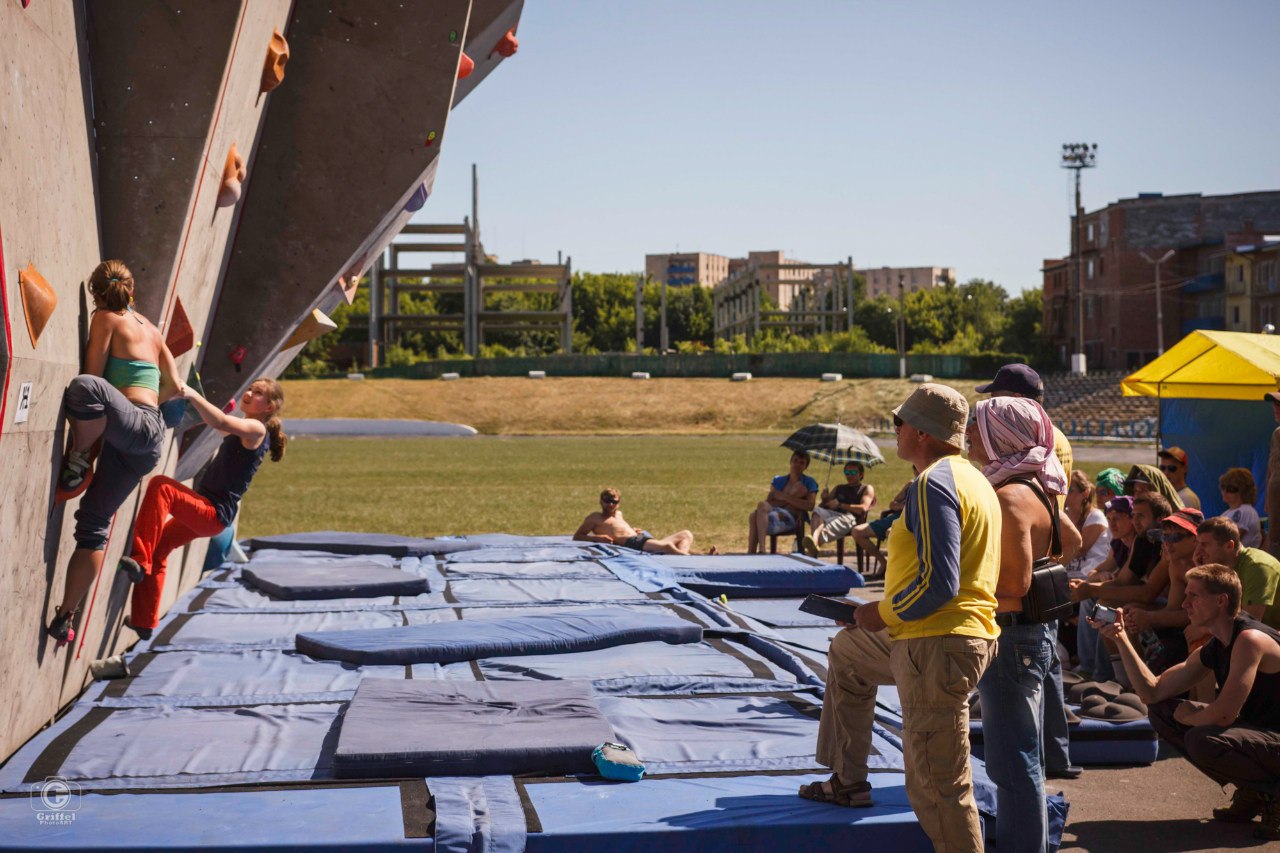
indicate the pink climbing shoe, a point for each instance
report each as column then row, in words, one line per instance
column 60, row 628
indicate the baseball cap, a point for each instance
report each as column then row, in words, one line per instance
column 1017, row 378
column 1123, row 504
column 1177, row 454
column 1188, row 518
column 940, row 411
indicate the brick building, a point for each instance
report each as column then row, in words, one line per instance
column 684, row 268
column 1119, row 284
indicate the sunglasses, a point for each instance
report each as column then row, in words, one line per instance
column 1169, row 469
column 897, row 422
column 849, row 472
column 609, row 500
column 1176, row 537
column 1231, row 490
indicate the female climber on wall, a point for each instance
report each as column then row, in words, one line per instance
column 211, row 506
column 116, row 401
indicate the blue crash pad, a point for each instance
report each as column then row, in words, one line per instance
column 760, row 575
column 293, row 582
column 448, row 642
column 343, row 542
column 400, row 728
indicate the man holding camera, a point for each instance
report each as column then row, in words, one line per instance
column 1236, row 737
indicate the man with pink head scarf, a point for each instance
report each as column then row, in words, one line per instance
column 1011, row 439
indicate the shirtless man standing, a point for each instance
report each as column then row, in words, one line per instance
column 608, row 526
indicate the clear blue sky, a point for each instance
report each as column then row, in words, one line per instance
column 898, row 133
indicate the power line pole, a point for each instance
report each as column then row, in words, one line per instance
column 639, row 316
column 1078, row 156
column 1159, row 301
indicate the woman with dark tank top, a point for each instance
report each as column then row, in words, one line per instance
column 173, row 515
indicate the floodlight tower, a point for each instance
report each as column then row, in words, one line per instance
column 1078, row 156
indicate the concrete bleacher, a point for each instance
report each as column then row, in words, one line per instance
column 1096, row 400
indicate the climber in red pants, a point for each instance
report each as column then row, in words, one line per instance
column 173, row 515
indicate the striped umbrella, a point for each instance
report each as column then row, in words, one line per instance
column 835, row 443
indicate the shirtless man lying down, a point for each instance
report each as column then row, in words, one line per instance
column 610, row 527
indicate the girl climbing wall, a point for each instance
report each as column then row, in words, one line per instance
column 211, row 506
column 116, row 401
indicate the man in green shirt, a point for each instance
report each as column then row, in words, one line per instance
column 1218, row 541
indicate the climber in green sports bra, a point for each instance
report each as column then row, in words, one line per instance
column 123, row 373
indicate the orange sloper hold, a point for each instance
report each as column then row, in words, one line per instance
column 349, row 283
column 507, row 45
column 277, row 56
column 181, row 337
column 465, row 66
column 38, row 300
column 315, row 325
column 233, row 175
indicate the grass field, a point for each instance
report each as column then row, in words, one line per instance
column 534, row 485
column 609, row 406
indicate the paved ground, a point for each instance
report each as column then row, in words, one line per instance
column 1164, row 807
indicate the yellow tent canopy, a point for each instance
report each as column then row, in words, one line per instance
column 1211, row 365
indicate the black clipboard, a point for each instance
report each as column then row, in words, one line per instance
column 836, row 609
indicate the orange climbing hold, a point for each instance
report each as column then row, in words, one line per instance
column 312, row 326
column 38, row 301
column 465, row 66
column 277, row 56
column 349, row 283
column 508, row 44
column 233, row 175
column 181, row 337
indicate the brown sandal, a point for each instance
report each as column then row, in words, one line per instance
column 835, row 792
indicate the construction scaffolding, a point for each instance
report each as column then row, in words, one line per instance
column 475, row 276
column 810, row 299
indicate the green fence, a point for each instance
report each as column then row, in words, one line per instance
column 798, row 364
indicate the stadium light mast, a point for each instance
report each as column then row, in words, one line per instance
column 1078, row 156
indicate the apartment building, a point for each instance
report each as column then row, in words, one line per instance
column 1119, row 299
column 687, row 268
column 883, row 281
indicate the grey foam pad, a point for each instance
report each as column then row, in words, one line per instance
column 396, row 728
column 297, row 581
column 343, row 542
column 450, row 642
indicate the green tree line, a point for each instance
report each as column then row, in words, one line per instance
column 955, row 319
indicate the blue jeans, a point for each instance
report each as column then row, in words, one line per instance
column 1012, row 693
column 1090, row 648
column 1057, row 737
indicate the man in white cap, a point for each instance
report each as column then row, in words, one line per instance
column 932, row 635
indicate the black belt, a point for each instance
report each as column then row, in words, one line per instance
column 1008, row 620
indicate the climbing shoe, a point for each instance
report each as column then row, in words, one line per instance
column 130, row 567
column 143, row 633
column 75, row 470
column 60, row 628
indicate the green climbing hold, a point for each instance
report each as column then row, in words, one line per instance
column 453, row 36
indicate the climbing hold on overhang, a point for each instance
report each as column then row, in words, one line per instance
column 349, row 283
column 38, row 301
column 508, row 44
column 465, row 65
column 453, row 36
column 237, row 356
column 315, row 325
column 277, row 56
column 431, row 140
column 181, row 337
column 418, row 199
column 233, row 175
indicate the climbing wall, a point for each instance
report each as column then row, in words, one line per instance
column 247, row 159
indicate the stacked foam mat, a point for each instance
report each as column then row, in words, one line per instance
column 458, row 710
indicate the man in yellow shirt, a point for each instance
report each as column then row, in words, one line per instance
column 932, row 635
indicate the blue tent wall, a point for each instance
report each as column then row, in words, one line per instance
column 1217, row 435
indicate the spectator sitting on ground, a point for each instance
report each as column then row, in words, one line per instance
column 1173, row 464
column 1145, row 479
column 1218, row 541
column 608, row 526
column 1239, row 494
column 1168, row 625
column 1140, row 579
column 840, row 510
column 1236, row 737
column 1091, row 521
column 1109, row 484
column 791, row 495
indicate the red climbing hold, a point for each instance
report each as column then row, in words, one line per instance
column 237, row 356
column 181, row 337
column 465, row 66
column 508, row 44
column 26, row 3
